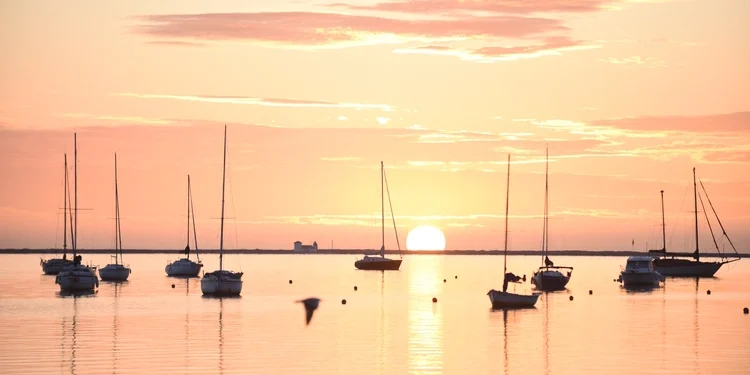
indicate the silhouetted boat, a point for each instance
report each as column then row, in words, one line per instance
column 76, row 277
column 381, row 263
column 222, row 282
column 639, row 272
column 666, row 263
column 116, row 271
column 549, row 277
column 503, row 299
column 185, row 267
column 53, row 266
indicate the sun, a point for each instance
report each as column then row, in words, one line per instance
column 425, row 237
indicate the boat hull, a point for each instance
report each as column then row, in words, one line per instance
column 686, row 268
column 77, row 278
column 55, row 265
column 222, row 283
column 114, row 272
column 550, row 280
column 505, row 300
column 378, row 264
column 640, row 279
column 183, row 268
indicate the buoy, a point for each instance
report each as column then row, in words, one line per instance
column 456, row 276
column 343, row 302
column 708, row 292
column 443, row 280
column 434, row 300
column 570, row 298
column 591, row 292
column 355, row 287
column 172, row 286
column 290, row 281
column 746, row 310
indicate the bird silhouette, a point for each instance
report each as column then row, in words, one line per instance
column 310, row 305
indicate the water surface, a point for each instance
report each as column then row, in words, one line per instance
column 389, row 326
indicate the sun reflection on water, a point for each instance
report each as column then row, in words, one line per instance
column 425, row 317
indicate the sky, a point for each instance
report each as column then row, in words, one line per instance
column 628, row 96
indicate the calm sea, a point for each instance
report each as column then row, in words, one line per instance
column 388, row 326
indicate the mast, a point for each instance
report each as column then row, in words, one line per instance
column 75, row 193
column 187, row 248
column 546, row 209
column 118, row 232
column 65, row 210
column 192, row 209
column 507, row 203
column 663, row 226
column 382, row 211
column 223, row 182
column 697, row 255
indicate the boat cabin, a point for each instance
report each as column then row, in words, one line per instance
column 639, row 263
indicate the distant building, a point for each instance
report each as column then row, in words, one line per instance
column 300, row 248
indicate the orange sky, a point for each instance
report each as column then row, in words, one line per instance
column 629, row 95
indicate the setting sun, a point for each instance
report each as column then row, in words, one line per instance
column 425, row 237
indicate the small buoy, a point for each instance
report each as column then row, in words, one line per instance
column 708, row 292
column 290, row 281
column 591, row 292
column 355, row 287
column 456, row 277
column 570, row 298
column 443, row 280
column 434, row 300
column 746, row 310
column 172, row 286
column 343, row 302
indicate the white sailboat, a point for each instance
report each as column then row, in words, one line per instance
column 76, row 277
column 185, row 267
column 116, row 271
column 503, row 299
column 53, row 266
column 549, row 277
column 381, row 263
column 222, row 282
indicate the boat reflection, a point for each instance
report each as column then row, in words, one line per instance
column 221, row 336
column 117, row 287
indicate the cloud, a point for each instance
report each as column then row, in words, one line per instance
column 648, row 62
column 716, row 123
column 553, row 46
column 258, row 101
column 483, row 6
column 326, row 29
column 125, row 119
column 176, row 43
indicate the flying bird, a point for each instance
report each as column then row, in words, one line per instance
column 310, row 305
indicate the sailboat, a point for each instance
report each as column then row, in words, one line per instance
column 676, row 267
column 381, row 263
column 222, row 282
column 76, row 277
column 55, row 265
column 503, row 299
column 549, row 277
column 185, row 267
column 116, row 271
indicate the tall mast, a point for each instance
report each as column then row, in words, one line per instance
column 697, row 255
column 507, row 203
column 65, row 210
column 382, row 211
column 223, row 182
column 188, row 219
column 74, row 240
column 118, row 233
column 546, row 203
column 192, row 209
column 663, row 225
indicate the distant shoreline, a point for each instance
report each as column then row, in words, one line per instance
column 600, row 253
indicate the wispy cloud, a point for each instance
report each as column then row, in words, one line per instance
column 175, row 43
column 494, row 6
column 270, row 102
column 309, row 29
column 125, row 119
column 648, row 62
column 553, row 46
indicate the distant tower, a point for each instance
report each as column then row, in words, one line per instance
column 297, row 246
column 315, row 245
